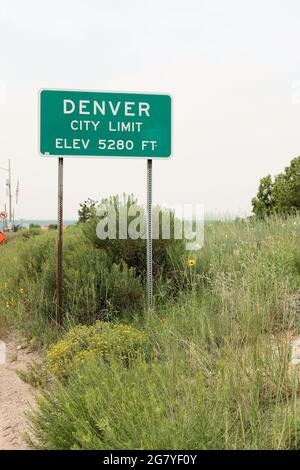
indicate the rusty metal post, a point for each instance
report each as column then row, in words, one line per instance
column 59, row 271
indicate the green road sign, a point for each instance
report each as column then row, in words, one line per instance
column 96, row 124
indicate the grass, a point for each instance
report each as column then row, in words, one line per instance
column 214, row 370
column 94, row 287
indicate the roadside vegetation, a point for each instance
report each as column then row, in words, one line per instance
column 208, row 367
column 279, row 195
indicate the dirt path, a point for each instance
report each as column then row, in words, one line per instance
column 15, row 395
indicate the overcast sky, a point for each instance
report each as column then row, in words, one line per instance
column 232, row 68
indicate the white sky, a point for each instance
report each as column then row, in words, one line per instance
column 230, row 66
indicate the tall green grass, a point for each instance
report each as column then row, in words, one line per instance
column 214, row 371
column 94, row 287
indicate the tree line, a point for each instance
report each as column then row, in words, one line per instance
column 279, row 195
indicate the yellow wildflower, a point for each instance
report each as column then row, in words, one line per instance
column 191, row 263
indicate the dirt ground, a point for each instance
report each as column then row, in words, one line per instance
column 15, row 396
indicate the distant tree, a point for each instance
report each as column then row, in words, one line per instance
column 87, row 210
column 286, row 190
column 281, row 196
column 262, row 203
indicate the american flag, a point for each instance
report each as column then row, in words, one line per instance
column 17, row 192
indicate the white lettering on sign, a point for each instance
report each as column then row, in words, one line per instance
column 122, row 126
column 144, row 108
column 115, row 109
column 67, row 109
column 112, row 144
column 128, row 108
column 76, row 144
column 84, row 125
column 149, row 143
column 82, row 106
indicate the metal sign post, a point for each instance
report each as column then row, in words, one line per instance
column 149, row 234
column 59, row 273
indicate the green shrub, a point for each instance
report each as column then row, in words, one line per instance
column 133, row 252
column 83, row 343
column 186, row 402
column 35, row 231
column 93, row 286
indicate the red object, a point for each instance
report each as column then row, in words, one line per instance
column 3, row 215
column 2, row 237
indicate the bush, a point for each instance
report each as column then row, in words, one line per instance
column 133, row 251
column 93, row 286
column 85, row 342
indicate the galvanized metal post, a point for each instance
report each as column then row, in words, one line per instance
column 149, row 234
column 59, row 273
